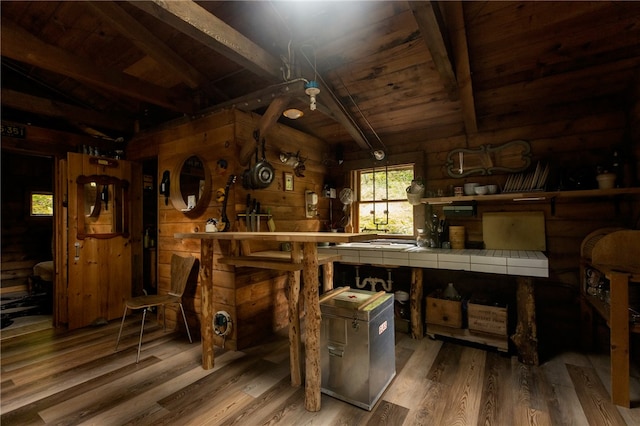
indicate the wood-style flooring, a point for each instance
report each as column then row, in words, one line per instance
column 69, row 378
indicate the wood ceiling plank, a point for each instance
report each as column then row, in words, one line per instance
column 124, row 23
column 368, row 41
column 20, row 45
column 490, row 22
column 384, row 64
column 50, row 108
column 432, row 28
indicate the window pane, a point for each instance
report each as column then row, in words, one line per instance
column 390, row 193
column 400, row 219
column 41, row 204
column 398, row 182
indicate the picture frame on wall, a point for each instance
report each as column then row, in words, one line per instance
column 288, row 181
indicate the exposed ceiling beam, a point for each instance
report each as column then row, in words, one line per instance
column 126, row 25
column 261, row 98
column 454, row 15
column 433, row 31
column 70, row 113
column 196, row 22
column 20, row 45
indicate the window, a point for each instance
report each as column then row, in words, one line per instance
column 41, row 204
column 382, row 200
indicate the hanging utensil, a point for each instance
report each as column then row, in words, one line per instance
column 263, row 173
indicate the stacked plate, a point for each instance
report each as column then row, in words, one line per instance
column 532, row 181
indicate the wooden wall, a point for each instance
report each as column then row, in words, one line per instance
column 25, row 240
column 220, row 136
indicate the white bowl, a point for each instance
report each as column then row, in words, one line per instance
column 481, row 190
column 493, row 189
column 468, row 188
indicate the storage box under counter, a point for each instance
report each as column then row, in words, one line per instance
column 357, row 346
column 446, row 312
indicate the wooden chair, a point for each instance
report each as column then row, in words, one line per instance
column 180, row 271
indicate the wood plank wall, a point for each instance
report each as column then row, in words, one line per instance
column 220, row 136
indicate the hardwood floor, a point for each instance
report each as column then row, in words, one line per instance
column 68, row 378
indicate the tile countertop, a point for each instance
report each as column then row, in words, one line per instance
column 509, row 262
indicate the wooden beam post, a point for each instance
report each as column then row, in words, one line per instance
column 269, row 118
column 526, row 335
column 619, row 326
column 293, row 278
column 312, row 327
column 206, row 316
column 415, row 301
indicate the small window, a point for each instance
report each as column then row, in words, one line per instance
column 382, row 200
column 41, row 204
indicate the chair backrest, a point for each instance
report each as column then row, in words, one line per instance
column 180, row 271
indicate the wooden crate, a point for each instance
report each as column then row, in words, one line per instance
column 487, row 319
column 443, row 311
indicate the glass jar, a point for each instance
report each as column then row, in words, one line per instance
column 422, row 240
column 450, row 292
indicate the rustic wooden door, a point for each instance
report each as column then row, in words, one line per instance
column 99, row 251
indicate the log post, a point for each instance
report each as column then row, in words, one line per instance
column 327, row 277
column 526, row 335
column 415, row 301
column 312, row 327
column 206, row 286
column 293, row 278
column 619, row 340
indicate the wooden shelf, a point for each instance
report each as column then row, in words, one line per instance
column 534, row 196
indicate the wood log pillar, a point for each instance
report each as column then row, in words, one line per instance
column 327, row 277
column 619, row 340
column 293, row 278
column 415, row 300
column 312, row 327
column 206, row 317
column 526, row 336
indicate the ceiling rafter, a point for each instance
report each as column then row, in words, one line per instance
column 433, row 31
column 196, row 22
column 126, row 25
column 20, row 45
column 454, row 15
column 70, row 113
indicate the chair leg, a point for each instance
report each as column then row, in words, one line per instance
column 124, row 315
column 184, row 317
column 164, row 319
column 144, row 314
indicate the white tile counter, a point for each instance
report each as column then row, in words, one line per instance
column 508, row 262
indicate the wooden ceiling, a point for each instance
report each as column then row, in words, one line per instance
column 386, row 70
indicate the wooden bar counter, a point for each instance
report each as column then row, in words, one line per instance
column 309, row 242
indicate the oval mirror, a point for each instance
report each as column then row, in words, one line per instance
column 191, row 185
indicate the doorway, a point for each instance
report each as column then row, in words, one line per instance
column 27, row 241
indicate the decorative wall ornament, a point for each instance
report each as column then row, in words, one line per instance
column 511, row 157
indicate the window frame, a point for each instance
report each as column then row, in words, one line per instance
column 356, row 178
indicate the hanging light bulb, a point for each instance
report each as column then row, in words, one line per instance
column 311, row 89
column 379, row 154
